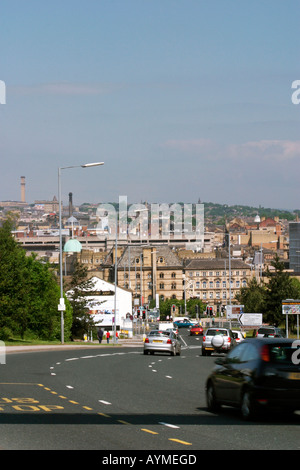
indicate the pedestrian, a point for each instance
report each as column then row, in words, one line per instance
column 100, row 335
column 117, row 336
column 107, row 336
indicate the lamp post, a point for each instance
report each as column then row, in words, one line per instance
column 61, row 305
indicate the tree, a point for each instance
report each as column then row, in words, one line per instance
column 280, row 286
column 253, row 297
column 78, row 289
column 29, row 293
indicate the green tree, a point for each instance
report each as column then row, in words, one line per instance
column 29, row 293
column 280, row 286
column 79, row 288
column 253, row 297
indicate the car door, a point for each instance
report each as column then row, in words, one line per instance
column 228, row 377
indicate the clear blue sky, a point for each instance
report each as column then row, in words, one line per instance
column 182, row 99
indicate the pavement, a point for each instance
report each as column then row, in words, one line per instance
column 137, row 341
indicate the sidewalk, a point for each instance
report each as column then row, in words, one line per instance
column 137, row 341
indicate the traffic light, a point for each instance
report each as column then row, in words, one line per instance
column 209, row 311
column 144, row 314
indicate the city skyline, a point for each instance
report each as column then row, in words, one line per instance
column 181, row 100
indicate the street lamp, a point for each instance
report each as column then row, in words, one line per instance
column 61, row 306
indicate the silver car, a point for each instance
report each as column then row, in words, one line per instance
column 217, row 339
column 162, row 341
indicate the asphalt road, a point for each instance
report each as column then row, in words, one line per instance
column 115, row 398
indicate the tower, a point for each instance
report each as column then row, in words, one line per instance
column 23, row 189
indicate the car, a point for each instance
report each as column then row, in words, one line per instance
column 175, row 330
column 258, row 374
column 183, row 323
column 196, row 330
column 270, row 331
column 218, row 340
column 238, row 336
column 162, row 341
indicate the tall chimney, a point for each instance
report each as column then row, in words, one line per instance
column 70, row 204
column 22, row 188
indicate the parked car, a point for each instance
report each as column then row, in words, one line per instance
column 258, row 374
column 162, row 341
column 196, row 330
column 183, row 323
column 238, row 336
column 271, row 331
column 217, row 339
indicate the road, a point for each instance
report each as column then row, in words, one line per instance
column 115, row 398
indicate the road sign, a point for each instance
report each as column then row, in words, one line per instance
column 291, row 307
column 250, row 319
column 233, row 311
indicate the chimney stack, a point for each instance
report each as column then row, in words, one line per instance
column 70, row 204
column 23, row 189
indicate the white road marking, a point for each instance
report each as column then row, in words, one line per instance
column 104, row 402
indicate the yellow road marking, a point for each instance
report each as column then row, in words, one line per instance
column 148, row 430
column 181, row 442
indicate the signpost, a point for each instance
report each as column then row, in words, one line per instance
column 250, row 319
column 233, row 311
column 291, row 307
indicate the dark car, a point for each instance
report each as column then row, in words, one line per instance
column 270, row 331
column 258, row 374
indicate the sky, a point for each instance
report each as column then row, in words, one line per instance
column 181, row 99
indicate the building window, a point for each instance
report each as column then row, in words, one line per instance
column 161, row 275
column 173, row 285
column 161, row 285
column 204, row 284
column 173, row 275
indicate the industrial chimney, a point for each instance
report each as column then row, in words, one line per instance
column 23, row 189
column 70, row 204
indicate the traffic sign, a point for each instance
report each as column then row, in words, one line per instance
column 250, row 319
column 291, row 307
column 233, row 311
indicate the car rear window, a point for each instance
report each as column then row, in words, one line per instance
column 216, row 332
column 159, row 333
column 266, row 331
column 281, row 354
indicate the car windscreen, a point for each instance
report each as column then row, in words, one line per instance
column 216, row 332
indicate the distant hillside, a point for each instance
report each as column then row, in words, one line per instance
column 220, row 211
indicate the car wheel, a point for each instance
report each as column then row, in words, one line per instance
column 211, row 401
column 247, row 406
column 203, row 352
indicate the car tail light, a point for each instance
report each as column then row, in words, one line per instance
column 229, row 339
column 204, row 338
column 265, row 353
column 169, row 341
column 147, row 340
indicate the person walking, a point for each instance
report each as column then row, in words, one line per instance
column 100, row 335
column 107, row 336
